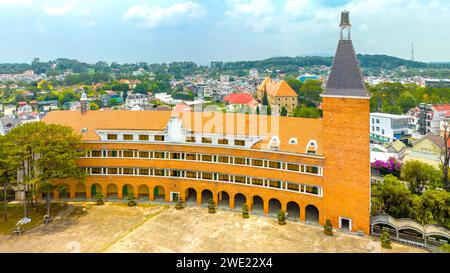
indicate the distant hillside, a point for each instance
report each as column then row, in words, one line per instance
column 387, row 62
column 284, row 64
column 288, row 63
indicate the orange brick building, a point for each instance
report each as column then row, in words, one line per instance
column 279, row 94
column 315, row 169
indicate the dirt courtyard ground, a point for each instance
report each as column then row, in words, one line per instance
column 149, row 229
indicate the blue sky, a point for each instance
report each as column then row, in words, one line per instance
column 217, row 30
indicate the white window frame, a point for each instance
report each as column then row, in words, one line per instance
column 348, row 219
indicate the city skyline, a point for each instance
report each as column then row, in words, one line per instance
column 204, row 31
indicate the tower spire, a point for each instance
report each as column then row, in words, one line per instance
column 345, row 78
column 345, row 25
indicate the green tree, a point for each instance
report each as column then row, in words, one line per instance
column 245, row 213
column 265, row 100
column 211, row 206
column 284, row 112
column 282, row 217
column 328, row 228
column 406, row 101
column 99, row 198
column 385, row 240
column 434, row 208
column 94, row 106
column 52, row 151
column 294, row 84
column 307, row 112
column 420, row 175
column 131, row 200
column 310, row 92
column 396, row 199
column 9, row 164
column 142, row 88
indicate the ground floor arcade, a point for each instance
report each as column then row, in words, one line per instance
column 196, row 193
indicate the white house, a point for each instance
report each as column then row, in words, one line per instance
column 9, row 110
column 136, row 99
column 388, row 127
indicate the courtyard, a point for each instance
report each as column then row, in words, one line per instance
column 115, row 227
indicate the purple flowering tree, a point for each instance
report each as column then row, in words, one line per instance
column 392, row 166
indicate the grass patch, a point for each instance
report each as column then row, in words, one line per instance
column 15, row 213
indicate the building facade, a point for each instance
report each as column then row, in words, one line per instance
column 388, row 128
column 315, row 169
column 279, row 94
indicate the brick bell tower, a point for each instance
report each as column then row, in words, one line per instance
column 346, row 144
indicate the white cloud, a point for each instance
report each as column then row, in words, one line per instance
column 156, row 15
column 250, row 7
column 16, row 3
column 72, row 7
column 253, row 15
column 299, row 7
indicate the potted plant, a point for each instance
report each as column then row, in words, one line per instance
column 131, row 200
column 211, row 206
column 328, row 228
column 385, row 240
column 282, row 217
column 245, row 213
column 100, row 200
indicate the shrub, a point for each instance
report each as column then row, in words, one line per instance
column 245, row 213
column 211, row 206
column 445, row 248
column 328, row 228
column 131, row 200
column 385, row 240
column 282, row 217
column 179, row 204
column 100, row 200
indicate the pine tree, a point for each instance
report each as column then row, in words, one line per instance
column 282, row 217
column 385, row 240
column 131, row 200
column 328, row 228
column 245, row 213
column 265, row 100
column 211, row 206
column 99, row 198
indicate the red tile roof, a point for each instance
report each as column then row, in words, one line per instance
column 442, row 107
column 239, row 98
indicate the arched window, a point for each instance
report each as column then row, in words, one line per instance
column 293, row 141
column 274, row 143
column 311, row 149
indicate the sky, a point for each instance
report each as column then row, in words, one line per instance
column 202, row 31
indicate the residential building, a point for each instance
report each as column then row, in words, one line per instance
column 9, row 110
column 388, row 127
column 239, row 101
column 254, row 73
column 427, row 149
column 279, row 95
column 427, row 118
column 303, row 166
column 136, row 99
column 7, row 124
column 437, row 83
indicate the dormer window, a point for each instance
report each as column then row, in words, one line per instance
column 274, row 143
column 293, row 141
column 311, row 149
